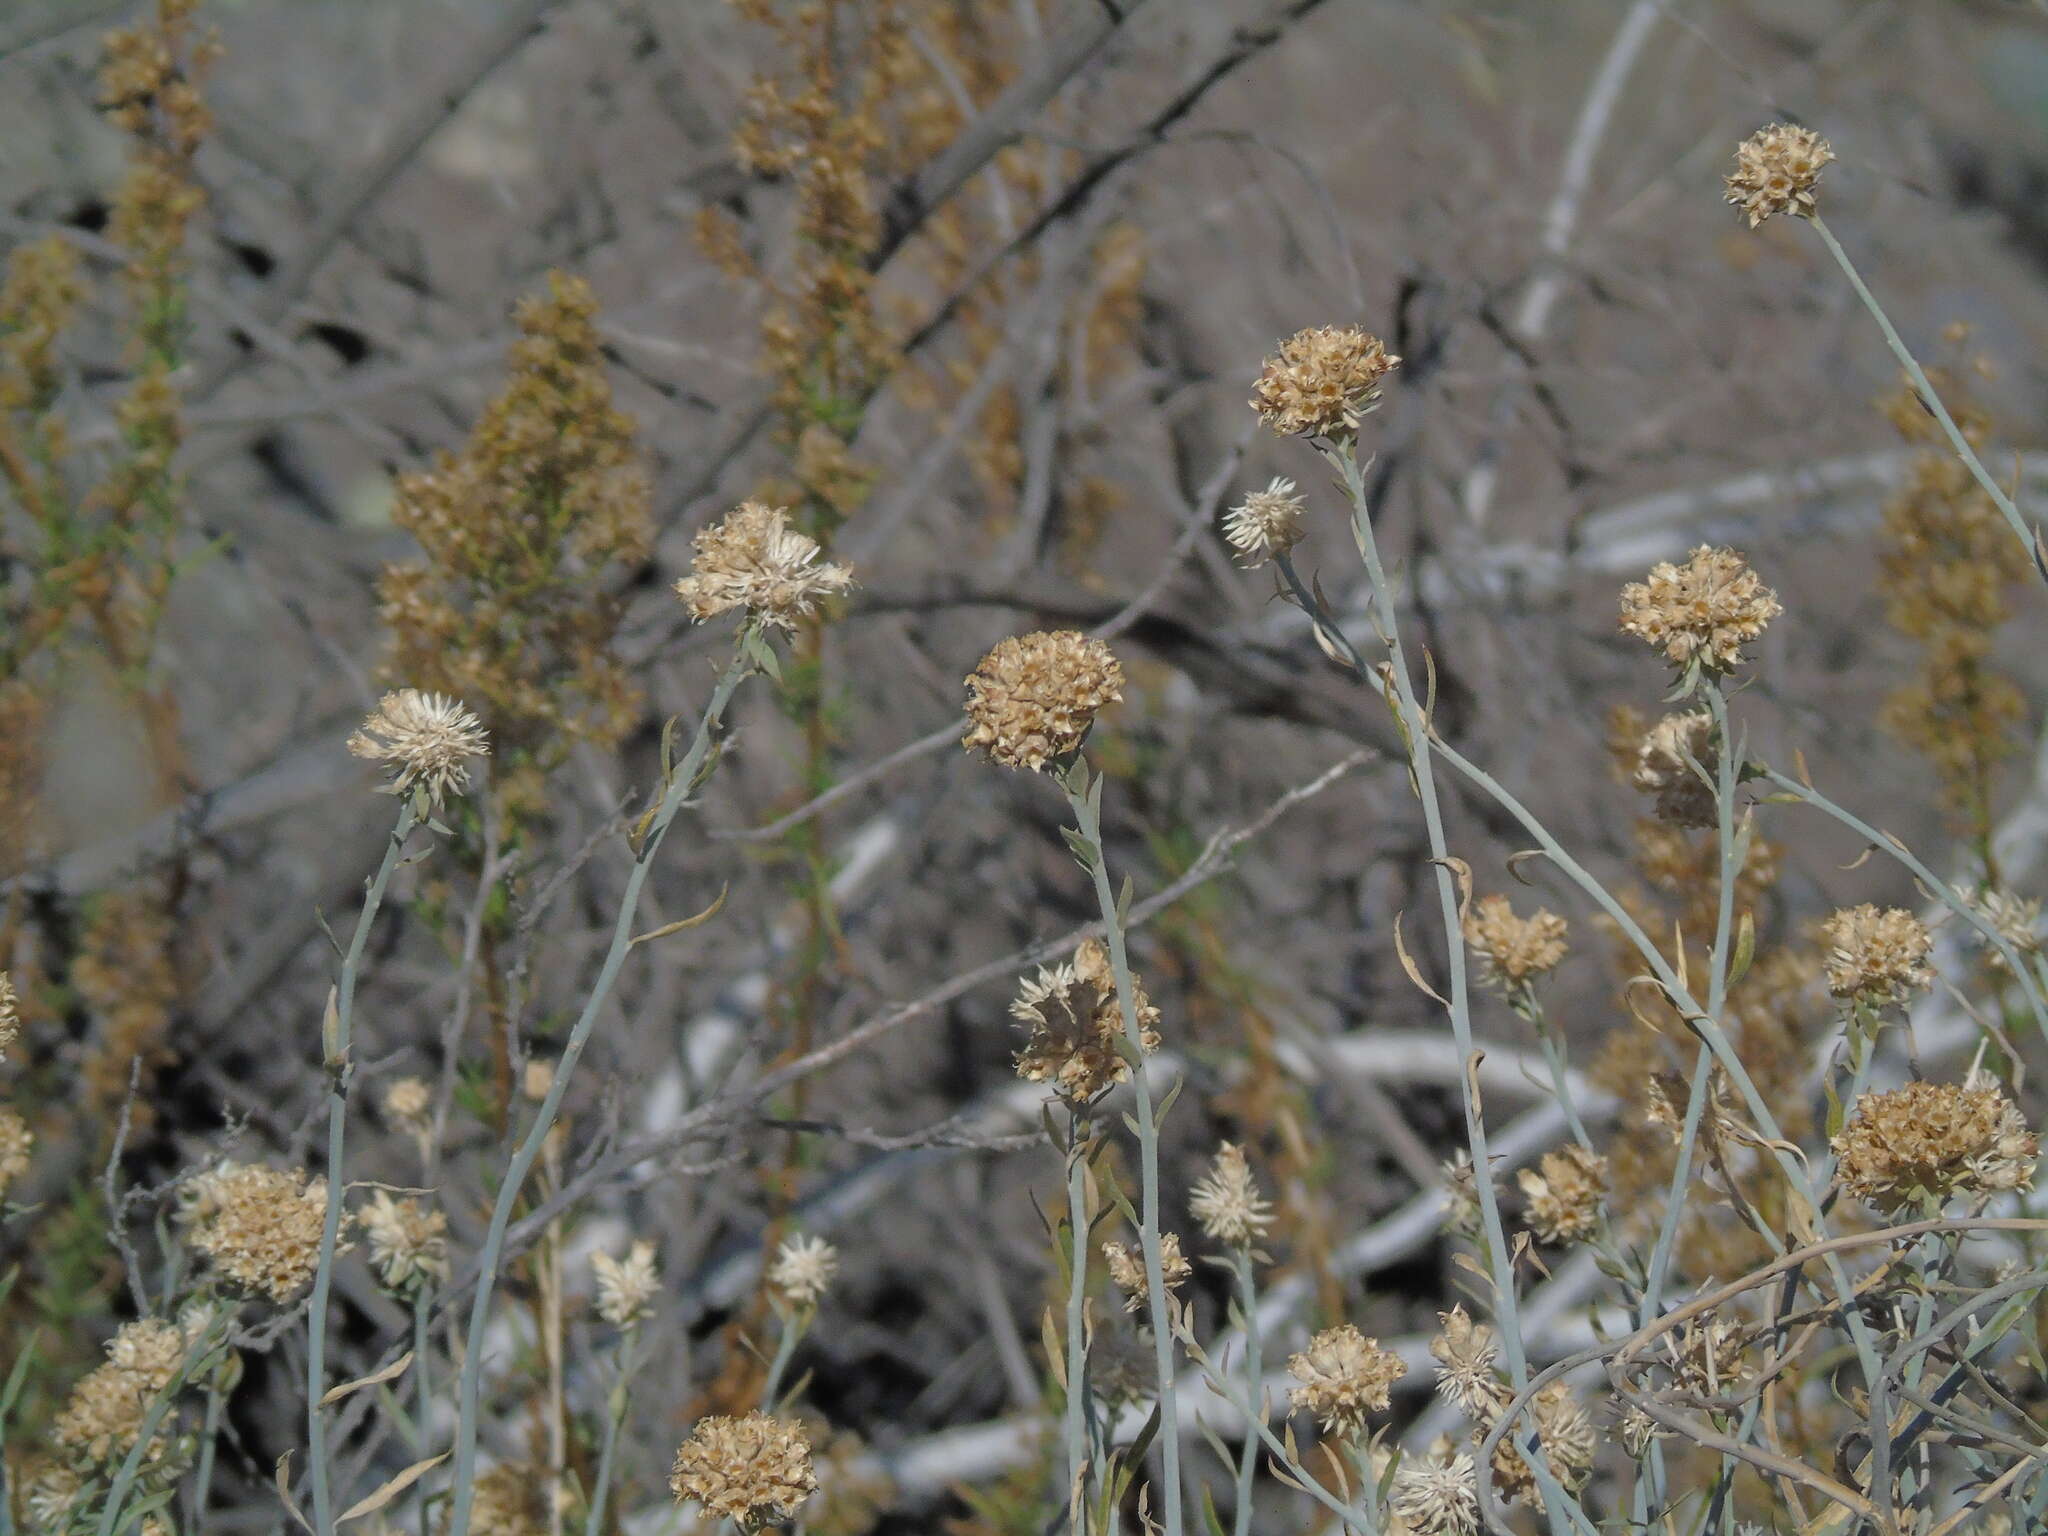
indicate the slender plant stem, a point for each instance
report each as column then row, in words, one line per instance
column 340, row 1078
column 794, row 1326
column 1254, row 1373
column 621, row 1401
column 422, row 1378
column 682, row 780
column 1079, row 1442
column 202, row 1479
column 2030, row 539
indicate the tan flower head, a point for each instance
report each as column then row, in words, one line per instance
column 1877, row 957
column 1563, row 1199
column 427, row 739
column 1568, row 1443
column 260, row 1226
column 1266, row 523
column 16, row 1142
column 1034, row 697
column 408, row 1104
column 754, row 1470
column 1702, row 613
column 408, row 1241
column 1776, row 169
column 105, row 1411
column 1321, row 381
column 1513, row 951
column 10, row 1014
column 625, row 1287
column 1705, row 1356
column 1344, row 1376
column 803, row 1270
column 1077, row 1022
column 755, row 560
column 1438, row 1494
column 1925, row 1142
column 1465, row 1352
column 510, row 1500
column 2016, row 919
column 1227, row 1201
column 1683, row 798
column 1127, row 1269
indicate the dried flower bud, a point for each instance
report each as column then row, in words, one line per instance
column 1568, row 1442
column 10, row 1014
column 755, row 560
column 1662, row 769
column 16, row 1142
column 803, row 1270
column 511, row 1499
column 2015, row 919
column 1877, row 957
column 1033, row 699
column 1465, row 1353
column 1321, row 381
column 538, row 1080
column 408, row 1104
column 1127, row 1269
column 1706, row 1356
column 1925, row 1142
column 260, row 1226
column 625, row 1287
column 1265, row 524
column 1438, row 1494
column 1227, row 1201
column 1513, row 951
column 104, row 1413
column 1776, row 169
column 1563, row 1199
column 426, row 738
column 408, row 1241
column 1077, row 1025
column 752, row 1470
column 1344, row 1376
column 1702, row 613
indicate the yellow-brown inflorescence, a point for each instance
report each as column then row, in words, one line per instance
column 1568, row 1442
column 1265, row 524
column 1877, row 956
column 803, row 1270
column 104, row 1413
column 426, row 740
column 408, row 1241
column 1702, row 613
column 1513, row 951
column 756, row 560
column 511, row 1500
column 626, row 1287
column 1227, row 1201
column 1465, row 1353
column 1033, row 698
column 260, row 1226
column 751, row 1470
column 1776, row 170
column 1344, row 1377
column 16, row 1143
column 1321, row 381
column 1126, row 1263
column 1564, row 1193
column 1077, row 1024
column 1925, row 1143
column 409, row 1104
column 1684, row 799
column 2015, row 919
column 1437, row 1494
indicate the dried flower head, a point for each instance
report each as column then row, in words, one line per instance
column 537, row 1079
column 104, row 1413
column 1127, row 1269
column 1775, row 172
column 1705, row 1356
column 260, row 1226
column 16, row 1142
column 426, row 738
column 1438, row 1494
column 1564, row 1193
column 625, row 1287
column 1344, row 1376
column 2015, row 919
column 1266, row 523
column 1702, row 613
column 1920, row 1144
column 1637, row 1430
column 1513, row 951
column 1662, row 768
column 1321, row 381
column 1461, row 1194
column 510, row 1500
column 1227, row 1201
column 755, row 560
column 10, row 1014
column 1877, row 957
column 408, row 1241
column 803, row 1270
column 753, row 1470
column 1568, row 1443
column 1077, row 1025
column 1033, row 699
column 1465, row 1353
column 408, row 1104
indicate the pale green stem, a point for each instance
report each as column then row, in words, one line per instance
column 202, row 1479
column 794, row 1326
column 621, row 1401
column 1076, row 1418
column 422, row 1380
column 1254, row 1374
column 340, row 1077
column 681, row 782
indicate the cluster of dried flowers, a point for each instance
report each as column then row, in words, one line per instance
column 754, row 1470
column 1877, row 956
column 1344, row 1378
column 259, row 1226
column 426, row 740
column 1514, row 951
column 1077, row 1026
column 1033, row 698
column 1919, row 1146
column 756, row 561
column 1564, row 1194
column 1321, row 382
column 1699, row 614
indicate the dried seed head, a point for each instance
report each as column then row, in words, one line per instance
column 105, row 1411
column 427, row 739
column 1438, row 1494
column 408, row 1104
column 1513, row 951
column 803, row 1270
column 1321, row 381
column 16, row 1142
column 1706, row 1356
column 1227, row 1201
column 1563, row 1195
column 625, row 1287
column 755, row 560
column 1637, row 1430
column 1683, row 798
column 1702, row 613
column 260, row 1226
column 1266, row 523
column 408, row 1241
column 1776, row 169
column 1077, row 1024
column 1465, row 1354
column 1344, row 1376
column 510, row 1500
column 1877, row 957
column 1127, row 1269
column 1921, row 1144
column 10, row 1014
column 753, row 1470
column 1034, row 697
column 2015, row 919
column 1568, row 1444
